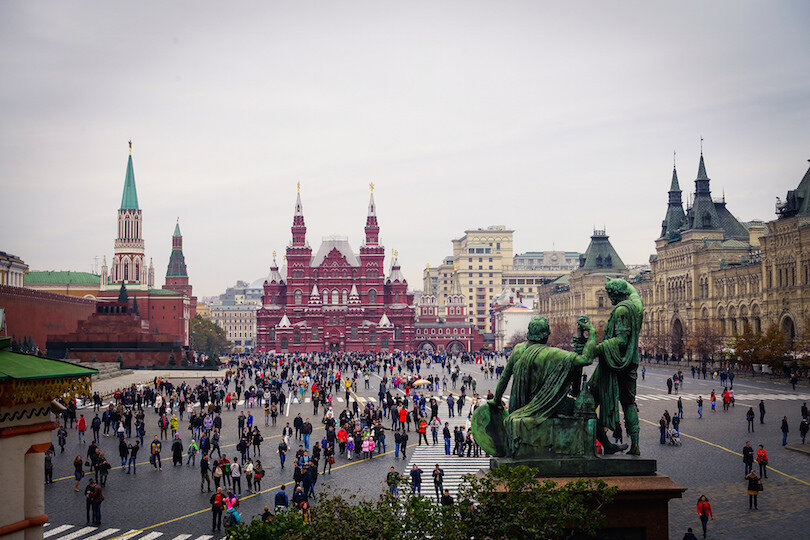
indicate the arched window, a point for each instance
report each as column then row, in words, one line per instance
column 372, row 296
column 372, row 336
column 296, row 338
column 284, row 343
column 354, row 331
column 397, row 332
column 384, row 342
column 126, row 271
column 345, row 296
column 335, row 296
column 298, row 296
column 314, row 331
column 325, row 297
column 272, row 334
column 137, row 271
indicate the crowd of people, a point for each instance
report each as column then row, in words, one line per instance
column 258, row 386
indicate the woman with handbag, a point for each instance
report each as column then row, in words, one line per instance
column 78, row 472
column 754, row 487
column 258, row 474
column 762, row 459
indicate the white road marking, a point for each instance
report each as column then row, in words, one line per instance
column 76, row 534
column 102, row 534
column 57, row 530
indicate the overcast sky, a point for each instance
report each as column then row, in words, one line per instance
column 548, row 118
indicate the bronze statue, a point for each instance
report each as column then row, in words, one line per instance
column 543, row 419
column 613, row 383
column 548, row 414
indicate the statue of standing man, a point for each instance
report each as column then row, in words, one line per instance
column 613, row 383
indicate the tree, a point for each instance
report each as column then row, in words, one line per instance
column 208, row 338
column 561, row 334
column 135, row 305
column 515, row 339
column 706, row 339
column 122, row 294
column 761, row 348
column 506, row 503
column 172, row 361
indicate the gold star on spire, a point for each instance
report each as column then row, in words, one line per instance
column 299, row 186
column 274, row 253
column 371, row 185
column 130, row 147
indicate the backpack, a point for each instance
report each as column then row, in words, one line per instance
column 227, row 519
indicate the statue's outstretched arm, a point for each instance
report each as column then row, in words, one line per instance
column 589, row 350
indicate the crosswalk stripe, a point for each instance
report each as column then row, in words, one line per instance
column 76, row 534
column 204, row 537
column 340, row 400
column 182, row 537
column 103, row 534
column 57, row 530
column 129, row 534
column 151, row 535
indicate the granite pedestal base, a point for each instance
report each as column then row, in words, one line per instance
column 640, row 509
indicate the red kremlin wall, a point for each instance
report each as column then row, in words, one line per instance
column 38, row 314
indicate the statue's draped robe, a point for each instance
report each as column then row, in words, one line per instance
column 614, row 379
column 541, row 379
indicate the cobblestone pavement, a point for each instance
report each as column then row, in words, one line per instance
column 167, row 504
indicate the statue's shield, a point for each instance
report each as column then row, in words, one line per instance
column 489, row 429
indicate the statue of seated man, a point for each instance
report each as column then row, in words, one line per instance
column 543, row 418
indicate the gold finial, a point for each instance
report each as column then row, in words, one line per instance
column 396, row 253
column 427, row 266
column 371, row 185
column 299, row 186
column 178, row 220
column 130, row 147
column 274, row 254
column 455, row 266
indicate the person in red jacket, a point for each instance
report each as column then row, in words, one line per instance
column 81, row 427
column 704, row 510
column 422, row 431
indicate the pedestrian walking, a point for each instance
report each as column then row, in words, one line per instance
column 761, row 411
column 205, row 477
column 785, row 430
column 700, row 407
column 704, row 510
column 748, row 457
column 749, row 416
column 392, row 480
column 804, row 426
column 762, row 459
column 416, row 479
column 236, row 476
column 217, row 507
column 754, row 487
column 154, row 449
column 438, row 479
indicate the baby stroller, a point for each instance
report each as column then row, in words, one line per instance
column 673, row 438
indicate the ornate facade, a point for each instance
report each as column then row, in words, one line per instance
column 709, row 266
column 336, row 299
column 168, row 310
column 582, row 292
column 451, row 333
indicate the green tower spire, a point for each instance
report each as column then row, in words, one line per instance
column 129, row 200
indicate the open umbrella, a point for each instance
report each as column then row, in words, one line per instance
column 420, row 382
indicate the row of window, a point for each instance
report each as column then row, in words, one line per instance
column 337, row 297
column 433, row 331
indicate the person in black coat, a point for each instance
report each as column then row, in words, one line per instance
column 748, row 457
column 177, row 451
